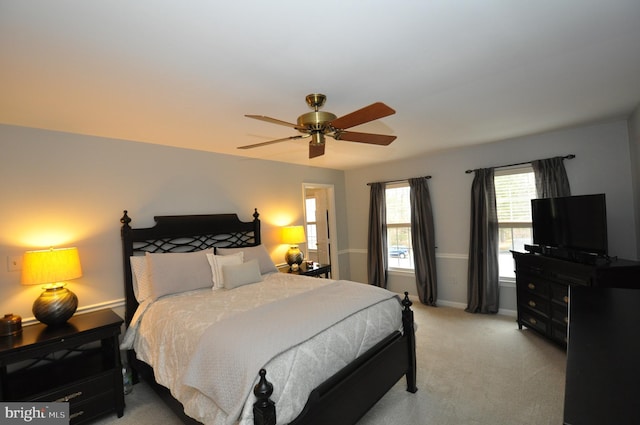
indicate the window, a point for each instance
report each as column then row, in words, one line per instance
column 312, row 228
column 399, row 250
column 514, row 190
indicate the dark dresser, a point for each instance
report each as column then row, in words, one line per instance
column 593, row 310
column 542, row 288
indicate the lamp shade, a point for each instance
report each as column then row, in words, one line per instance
column 293, row 235
column 50, row 266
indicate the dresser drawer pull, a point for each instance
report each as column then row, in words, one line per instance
column 69, row 397
column 565, row 299
column 532, row 303
column 566, row 320
column 533, row 321
column 531, row 286
column 75, row 415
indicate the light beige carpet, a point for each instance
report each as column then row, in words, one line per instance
column 472, row 369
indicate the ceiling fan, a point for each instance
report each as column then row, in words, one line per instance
column 318, row 124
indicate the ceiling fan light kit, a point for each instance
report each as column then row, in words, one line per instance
column 318, row 124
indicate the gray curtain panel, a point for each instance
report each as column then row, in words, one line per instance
column 551, row 177
column 423, row 241
column 482, row 276
column 377, row 243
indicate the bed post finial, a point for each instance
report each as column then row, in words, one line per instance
column 125, row 220
column 409, row 331
column 264, row 409
column 406, row 302
column 255, row 214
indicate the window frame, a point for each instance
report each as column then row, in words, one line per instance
column 311, row 224
column 398, row 225
column 521, row 169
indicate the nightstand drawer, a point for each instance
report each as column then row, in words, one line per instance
column 78, row 392
column 91, row 408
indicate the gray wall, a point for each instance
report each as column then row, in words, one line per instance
column 602, row 165
column 65, row 189
column 61, row 189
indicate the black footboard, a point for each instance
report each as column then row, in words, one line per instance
column 345, row 397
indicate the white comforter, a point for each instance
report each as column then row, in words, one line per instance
column 169, row 332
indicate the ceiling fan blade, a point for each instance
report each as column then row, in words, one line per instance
column 270, row 142
column 315, row 150
column 273, row 121
column 374, row 139
column 361, row 116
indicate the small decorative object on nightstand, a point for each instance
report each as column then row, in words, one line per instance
column 77, row 362
column 293, row 235
column 52, row 267
column 309, row 268
column 10, row 325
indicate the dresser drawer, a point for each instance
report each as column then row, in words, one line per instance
column 533, row 285
column 559, row 332
column 80, row 391
column 560, row 294
column 560, row 313
column 534, row 302
column 533, row 320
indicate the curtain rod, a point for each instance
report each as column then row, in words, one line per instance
column 399, row 180
column 571, row 156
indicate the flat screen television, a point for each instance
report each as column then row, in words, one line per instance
column 573, row 223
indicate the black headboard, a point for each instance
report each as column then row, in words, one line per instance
column 182, row 233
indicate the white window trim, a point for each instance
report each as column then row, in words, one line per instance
column 509, row 281
column 398, row 270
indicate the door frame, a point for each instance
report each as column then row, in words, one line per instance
column 331, row 222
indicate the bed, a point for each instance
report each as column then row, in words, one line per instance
column 371, row 348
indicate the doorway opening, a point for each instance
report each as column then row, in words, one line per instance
column 320, row 224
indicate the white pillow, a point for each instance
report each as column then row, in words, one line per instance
column 175, row 272
column 258, row 252
column 241, row 274
column 216, row 263
column 140, row 278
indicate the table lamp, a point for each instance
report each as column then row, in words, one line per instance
column 52, row 268
column 293, row 235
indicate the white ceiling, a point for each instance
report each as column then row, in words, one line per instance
column 184, row 73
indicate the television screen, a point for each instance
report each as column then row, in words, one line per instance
column 576, row 223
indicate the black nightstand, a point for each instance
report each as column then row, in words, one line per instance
column 314, row 269
column 78, row 362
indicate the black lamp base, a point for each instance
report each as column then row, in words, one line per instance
column 294, row 257
column 55, row 306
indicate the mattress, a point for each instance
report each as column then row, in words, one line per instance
column 167, row 334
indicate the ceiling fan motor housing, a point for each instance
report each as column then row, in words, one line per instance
column 316, row 121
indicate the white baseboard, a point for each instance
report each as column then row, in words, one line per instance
column 462, row 306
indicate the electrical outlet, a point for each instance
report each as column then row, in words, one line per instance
column 14, row 263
